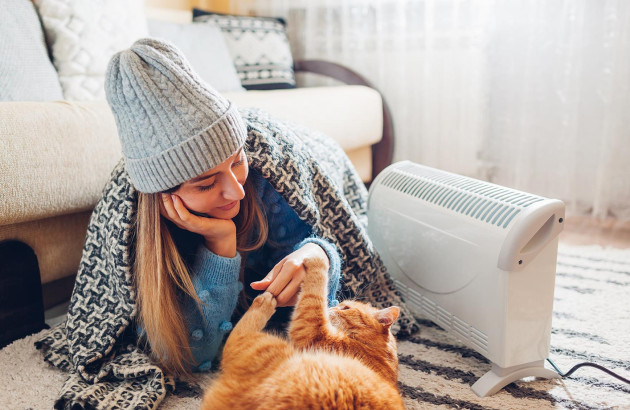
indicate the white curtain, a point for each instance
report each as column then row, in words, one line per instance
column 530, row 94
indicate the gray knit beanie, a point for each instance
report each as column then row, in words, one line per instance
column 172, row 125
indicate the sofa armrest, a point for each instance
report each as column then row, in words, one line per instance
column 351, row 115
column 382, row 151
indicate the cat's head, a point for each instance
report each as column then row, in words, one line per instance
column 361, row 321
column 369, row 327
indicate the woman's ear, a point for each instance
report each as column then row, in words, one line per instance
column 388, row 316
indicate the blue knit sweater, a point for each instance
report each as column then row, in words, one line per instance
column 216, row 278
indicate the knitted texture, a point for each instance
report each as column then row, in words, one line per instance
column 215, row 279
column 172, row 125
column 334, row 272
column 314, row 177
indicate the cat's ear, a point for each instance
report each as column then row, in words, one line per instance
column 388, row 315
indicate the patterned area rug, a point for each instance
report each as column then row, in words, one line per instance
column 591, row 322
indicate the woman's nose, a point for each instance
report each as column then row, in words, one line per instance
column 232, row 189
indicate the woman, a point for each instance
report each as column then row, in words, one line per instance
column 183, row 147
column 190, row 215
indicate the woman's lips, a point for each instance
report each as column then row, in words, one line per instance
column 228, row 206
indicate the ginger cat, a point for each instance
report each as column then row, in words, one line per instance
column 344, row 357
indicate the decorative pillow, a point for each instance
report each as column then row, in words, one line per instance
column 26, row 73
column 206, row 51
column 84, row 34
column 259, row 47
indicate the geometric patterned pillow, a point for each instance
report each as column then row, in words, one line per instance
column 259, row 47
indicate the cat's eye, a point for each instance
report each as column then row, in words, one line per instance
column 344, row 307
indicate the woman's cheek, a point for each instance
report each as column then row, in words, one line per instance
column 200, row 203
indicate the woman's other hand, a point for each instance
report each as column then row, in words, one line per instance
column 219, row 234
column 285, row 278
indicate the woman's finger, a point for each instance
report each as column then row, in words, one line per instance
column 181, row 210
column 289, row 293
column 293, row 300
column 170, row 213
column 288, row 270
column 266, row 281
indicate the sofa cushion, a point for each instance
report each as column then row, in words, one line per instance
column 205, row 48
column 259, row 47
column 26, row 73
column 83, row 35
column 55, row 157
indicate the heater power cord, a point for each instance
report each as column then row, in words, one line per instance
column 595, row 365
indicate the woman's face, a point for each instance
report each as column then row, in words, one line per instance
column 217, row 193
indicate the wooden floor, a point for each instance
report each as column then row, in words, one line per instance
column 583, row 230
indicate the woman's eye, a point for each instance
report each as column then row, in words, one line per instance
column 237, row 163
column 204, row 188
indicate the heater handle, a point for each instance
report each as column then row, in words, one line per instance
column 532, row 230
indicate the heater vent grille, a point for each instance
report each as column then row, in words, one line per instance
column 483, row 201
column 479, row 339
column 427, row 308
column 461, row 328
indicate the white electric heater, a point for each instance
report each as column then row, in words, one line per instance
column 476, row 258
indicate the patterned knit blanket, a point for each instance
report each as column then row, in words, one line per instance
column 312, row 174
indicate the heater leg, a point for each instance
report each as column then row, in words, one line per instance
column 499, row 377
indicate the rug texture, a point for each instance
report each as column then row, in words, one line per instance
column 591, row 322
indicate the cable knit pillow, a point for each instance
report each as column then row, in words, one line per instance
column 84, row 34
column 259, row 47
column 26, row 73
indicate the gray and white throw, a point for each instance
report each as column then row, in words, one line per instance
column 97, row 346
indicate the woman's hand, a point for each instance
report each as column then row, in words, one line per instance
column 219, row 234
column 285, row 278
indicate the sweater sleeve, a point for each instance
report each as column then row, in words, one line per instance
column 208, row 266
column 334, row 273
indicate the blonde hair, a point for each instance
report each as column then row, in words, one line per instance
column 160, row 272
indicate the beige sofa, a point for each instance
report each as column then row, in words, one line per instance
column 55, row 158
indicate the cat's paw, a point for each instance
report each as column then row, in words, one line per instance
column 316, row 275
column 264, row 301
column 256, row 317
column 316, row 265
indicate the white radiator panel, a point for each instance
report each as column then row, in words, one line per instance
column 476, row 258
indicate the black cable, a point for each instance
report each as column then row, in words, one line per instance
column 595, row 365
